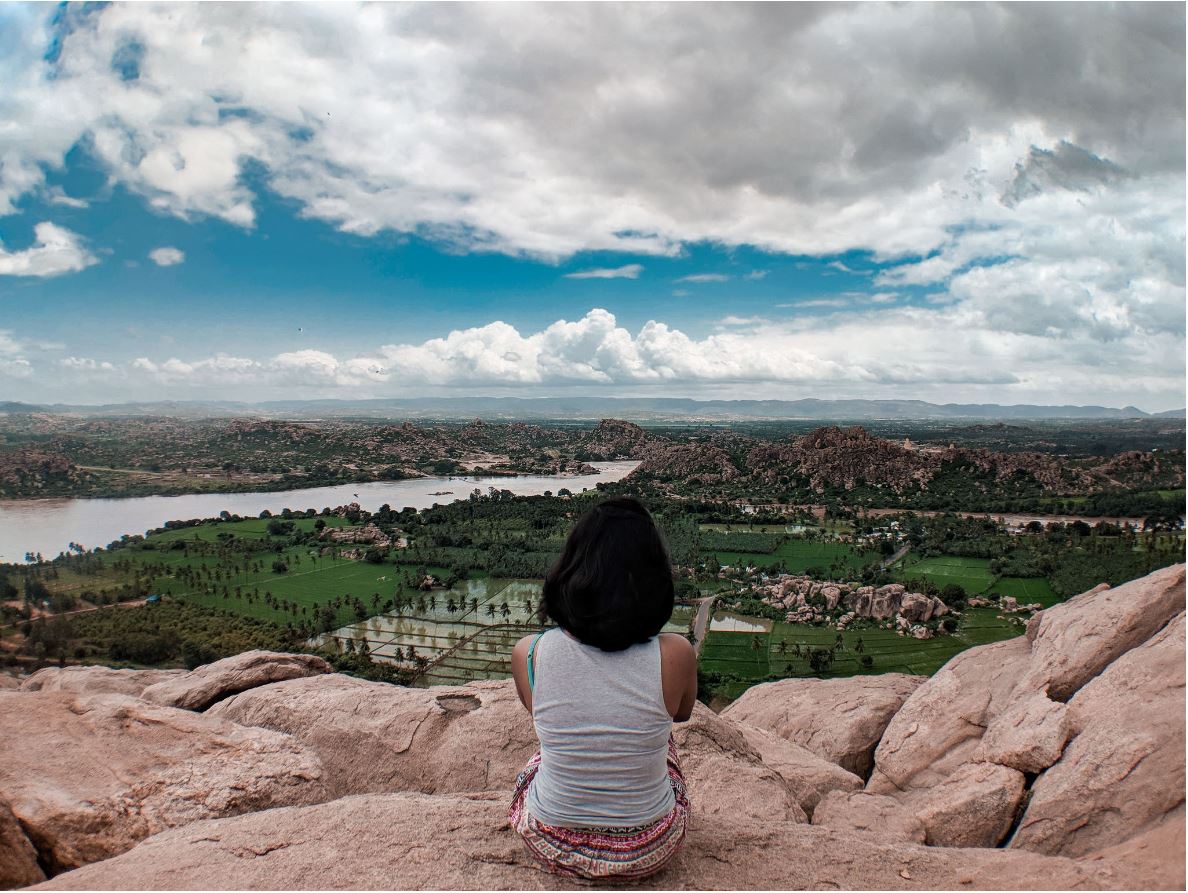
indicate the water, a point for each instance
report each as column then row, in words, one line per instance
column 729, row 622
column 49, row 525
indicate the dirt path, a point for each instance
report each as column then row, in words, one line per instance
column 704, row 610
column 135, row 603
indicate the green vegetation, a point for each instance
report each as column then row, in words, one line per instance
column 971, row 574
column 442, row 594
column 733, row 661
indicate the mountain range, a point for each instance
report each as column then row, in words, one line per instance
column 654, row 409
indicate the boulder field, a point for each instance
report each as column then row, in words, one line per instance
column 1054, row 760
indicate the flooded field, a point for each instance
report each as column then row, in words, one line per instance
column 461, row 634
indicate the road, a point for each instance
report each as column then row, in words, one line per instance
column 899, row 553
column 704, row 609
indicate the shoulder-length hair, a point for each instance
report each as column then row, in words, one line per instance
column 612, row 586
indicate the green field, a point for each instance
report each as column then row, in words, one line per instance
column 1027, row 590
column 755, row 655
column 971, row 574
column 798, row 555
column 252, row 528
column 475, row 644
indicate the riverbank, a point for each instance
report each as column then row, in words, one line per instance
column 49, row 526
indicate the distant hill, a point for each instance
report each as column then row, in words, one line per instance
column 653, row 409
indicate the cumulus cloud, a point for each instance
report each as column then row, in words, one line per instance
column 422, row 119
column 54, row 251
column 627, row 271
column 167, row 256
column 1024, row 164
column 944, row 352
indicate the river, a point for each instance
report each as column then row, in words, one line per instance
column 49, row 525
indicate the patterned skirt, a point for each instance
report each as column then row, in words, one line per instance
column 598, row 853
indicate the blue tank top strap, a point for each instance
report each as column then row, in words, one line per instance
column 531, row 669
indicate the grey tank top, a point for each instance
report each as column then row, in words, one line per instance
column 603, row 731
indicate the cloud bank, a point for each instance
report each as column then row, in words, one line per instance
column 1024, row 163
column 770, row 357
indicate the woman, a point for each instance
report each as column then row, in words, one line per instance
column 604, row 797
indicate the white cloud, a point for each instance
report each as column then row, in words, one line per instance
column 628, row 271
column 1025, row 164
column 422, row 119
column 54, row 251
column 944, row 353
column 86, row 364
column 756, row 275
column 167, row 256
column 705, row 277
column 58, row 196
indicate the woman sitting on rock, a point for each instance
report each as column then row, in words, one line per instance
column 604, row 797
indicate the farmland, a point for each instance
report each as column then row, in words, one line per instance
column 783, row 649
column 448, row 590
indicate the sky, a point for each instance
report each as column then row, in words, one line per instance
column 949, row 202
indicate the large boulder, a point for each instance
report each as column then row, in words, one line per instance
column 1029, row 735
column 726, row 777
column 808, row 776
column 940, row 726
column 88, row 776
column 1074, row 641
column 884, row 817
column 97, row 680
column 1123, row 770
column 376, row 737
column 18, row 858
column 973, row 807
column 373, row 737
column 841, row 720
column 212, row 683
column 418, row 842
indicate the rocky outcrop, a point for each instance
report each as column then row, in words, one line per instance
column 87, row 776
column 9, row 683
column 808, row 776
column 884, row 817
column 97, row 680
column 615, row 439
column 808, row 600
column 419, row 842
column 973, row 807
column 696, row 463
column 373, row 737
column 18, row 858
column 214, row 682
column 1124, row 768
column 940, row 725
column 1029, row 735
column 841, row 720
column 1106, row 765
column 410, row 786
column 1072, row 642
column 726, row 777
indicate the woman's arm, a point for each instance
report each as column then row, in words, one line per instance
column 519, row 665
column 678, row 675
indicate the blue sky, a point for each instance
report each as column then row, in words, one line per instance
column 225, row 202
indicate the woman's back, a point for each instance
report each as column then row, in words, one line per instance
column 604, row 732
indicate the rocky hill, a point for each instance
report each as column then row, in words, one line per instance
column 843, row 458
column 1054, row 760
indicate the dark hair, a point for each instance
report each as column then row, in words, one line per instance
column 612, row 586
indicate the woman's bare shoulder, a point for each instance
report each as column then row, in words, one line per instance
column 676, row 647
